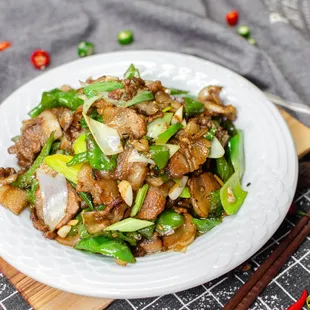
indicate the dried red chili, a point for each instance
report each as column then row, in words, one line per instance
column 300, row 302
column 232, row 18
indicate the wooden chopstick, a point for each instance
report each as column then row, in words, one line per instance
column 264, row 274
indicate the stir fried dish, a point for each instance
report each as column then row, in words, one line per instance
column 126, row 167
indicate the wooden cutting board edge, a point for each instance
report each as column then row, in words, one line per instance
column 43, row 297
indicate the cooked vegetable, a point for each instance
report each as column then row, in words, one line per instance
column 167, row 134
column 217, row 150
column 160, row 155
column 236, row 152
column 96, row 158
column 232, row 195
column 131, row 72
column 223, row 169
column 139, row 200
column 142, row 95
column 25, row 179
column 79, row 145
column 129, row 225
column 125, row 190
column 101, row 87
column 57, row 98
column 178, row 187
column 193, row 107
column 106, row 137
column 58, row 162
column 122, row 164
column 108, row 247
column 168, row 221
column 78, row 159
column 204, row 225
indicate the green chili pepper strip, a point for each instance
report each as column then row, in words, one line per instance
column 106, row 246
column 175, row 91
column 25, row 179
column 204, row 225
column 230, row 127
column 193, row 107
column 223, row 169
column 85, row 196
column 210, row 134
column 139, row 200
column 131, row 72
column 244, row 31
column 142, row 95
column 160, row 154
column 101, row 87
column 77, row 159
column 164, row 137
column 168, row 221
column 147, row 232
column 232, row 195
column 97, row 159
column 31, row 194
column 185, row 193
column 57, row 98
column 236, row 152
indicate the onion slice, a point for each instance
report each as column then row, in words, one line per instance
column 54, row 195
column 177, row 189
column 178, row 116
column 217, row 150
column 135, row 157
column 88, row 102
column 125, row 190
column 106, row 137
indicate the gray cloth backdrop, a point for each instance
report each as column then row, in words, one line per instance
column 280, row 63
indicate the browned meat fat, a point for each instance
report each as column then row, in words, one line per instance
column 189, row 157
column 127, row 121
column 13, row 198
column 154, row 203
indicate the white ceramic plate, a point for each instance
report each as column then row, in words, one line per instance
column 271, row 168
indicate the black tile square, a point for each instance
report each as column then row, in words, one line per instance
column 275, row 297
column 206, row 301
column 245, row 275
column 303, row 249
column 141, row 303
column 303, row 204
column 189, row 295
column 295, row 280
column 119, row 304
column 306, row 262
column 261, row 257
column 258, row 305
column 167, row 302
column 282, row 230
column 16, row 302
column 226, row 289
column 215, row 281
column 6, row 288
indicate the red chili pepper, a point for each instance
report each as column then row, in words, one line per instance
column 40, row 59
column 4, row 45
column 232, row 18
column 300, row 302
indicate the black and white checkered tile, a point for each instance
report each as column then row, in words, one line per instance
column 284, row 289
